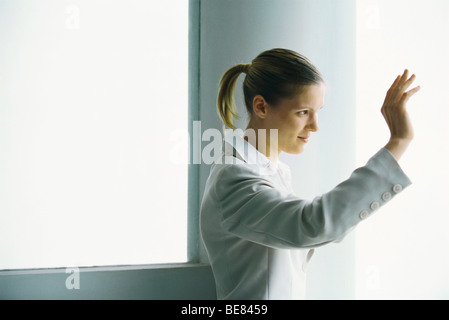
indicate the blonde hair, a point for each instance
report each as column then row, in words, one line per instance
column 275, row 74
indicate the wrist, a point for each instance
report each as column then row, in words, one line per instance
column 398, row 146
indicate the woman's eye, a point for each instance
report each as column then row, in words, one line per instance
column 303, row 113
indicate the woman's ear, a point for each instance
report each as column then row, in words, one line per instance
column 260, row 107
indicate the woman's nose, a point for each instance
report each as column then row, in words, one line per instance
column 313, row 124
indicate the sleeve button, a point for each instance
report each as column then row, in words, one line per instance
column 397, row 188
column 364, row 214
column 386, row 196
column 375, row 205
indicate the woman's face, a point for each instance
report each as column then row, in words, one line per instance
column 297, row 118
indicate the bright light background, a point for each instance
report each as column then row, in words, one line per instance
column 403, row 251
column 88, row 93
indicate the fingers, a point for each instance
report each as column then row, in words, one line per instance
column 406, row 96
column 405, row 82
column 409, row 82
column 395, row 83
column 390, row 91
column 401, row 84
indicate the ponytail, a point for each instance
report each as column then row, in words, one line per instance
column 225, row 101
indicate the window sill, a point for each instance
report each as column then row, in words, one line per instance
column 177, row 281
column 103, row 268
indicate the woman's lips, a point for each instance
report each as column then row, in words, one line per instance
column 304, row 139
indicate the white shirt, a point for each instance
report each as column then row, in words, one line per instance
column 259, row 235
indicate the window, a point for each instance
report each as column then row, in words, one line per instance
column 90, row 92
column 402, row 252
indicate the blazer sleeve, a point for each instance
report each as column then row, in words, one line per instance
column 251, row 208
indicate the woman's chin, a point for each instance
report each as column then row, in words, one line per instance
column 297, row 150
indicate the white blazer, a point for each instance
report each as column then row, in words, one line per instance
column 259, row 235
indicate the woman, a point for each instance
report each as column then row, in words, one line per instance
column 258, row 234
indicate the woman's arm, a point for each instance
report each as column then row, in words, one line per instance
column 251, row 208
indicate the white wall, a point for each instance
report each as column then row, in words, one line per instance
column 236, row 31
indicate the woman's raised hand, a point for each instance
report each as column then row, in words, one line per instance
column 395, row 113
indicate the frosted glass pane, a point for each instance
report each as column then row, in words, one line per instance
column 402, row 250
column 89, row 94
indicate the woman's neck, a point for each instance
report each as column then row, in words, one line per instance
column 264, row 141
